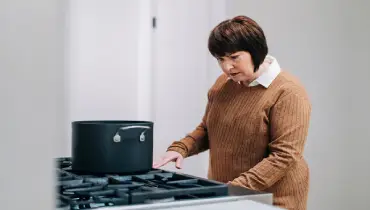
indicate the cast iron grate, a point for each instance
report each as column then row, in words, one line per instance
column 89, row 191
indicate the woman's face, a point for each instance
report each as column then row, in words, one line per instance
column 238, row 66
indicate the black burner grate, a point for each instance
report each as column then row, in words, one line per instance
column 87, row 191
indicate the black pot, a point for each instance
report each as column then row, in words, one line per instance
column 119, row 147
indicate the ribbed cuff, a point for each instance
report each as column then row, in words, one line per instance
column 236, row 182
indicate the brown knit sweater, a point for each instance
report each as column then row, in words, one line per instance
column 256, row 137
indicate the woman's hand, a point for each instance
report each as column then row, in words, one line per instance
column 167, row 157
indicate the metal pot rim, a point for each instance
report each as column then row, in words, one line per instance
column 112, row 122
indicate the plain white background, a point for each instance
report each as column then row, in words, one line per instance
column 88, row 59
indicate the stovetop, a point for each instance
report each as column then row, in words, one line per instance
column 89, row 191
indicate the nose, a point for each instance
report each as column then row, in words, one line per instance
column 227, row 66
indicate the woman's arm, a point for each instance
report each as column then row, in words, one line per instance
column 289, row 123
column 195, row 142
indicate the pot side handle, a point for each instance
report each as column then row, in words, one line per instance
column 117, row 137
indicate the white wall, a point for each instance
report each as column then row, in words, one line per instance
column 325, row 43
column 32, row 106
column 180, row 79
column 102, row 59
column 108, row 61
column 183, row 72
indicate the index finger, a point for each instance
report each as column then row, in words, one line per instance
column 161, row 162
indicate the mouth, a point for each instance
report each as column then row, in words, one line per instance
column 234, row 74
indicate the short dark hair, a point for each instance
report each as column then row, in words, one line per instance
column 240, row 33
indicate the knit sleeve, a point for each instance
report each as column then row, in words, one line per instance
column 289, row 123
column 196, row 141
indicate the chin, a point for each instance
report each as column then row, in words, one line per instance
column 237, row 79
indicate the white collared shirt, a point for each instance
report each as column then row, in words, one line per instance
column 266, row 78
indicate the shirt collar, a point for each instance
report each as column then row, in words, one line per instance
column 269, row 74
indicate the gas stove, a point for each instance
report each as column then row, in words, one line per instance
column 91, row 191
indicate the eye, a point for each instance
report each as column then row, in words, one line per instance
column 234, row 57
column 219, row 59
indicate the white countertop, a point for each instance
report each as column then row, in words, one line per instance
column 234, row 205
column 255, row 202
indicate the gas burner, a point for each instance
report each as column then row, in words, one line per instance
column 88, row 191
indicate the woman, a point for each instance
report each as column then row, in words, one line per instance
column 256, row 120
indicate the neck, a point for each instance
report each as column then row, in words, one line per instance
column 262, row 68
column 255, row 76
